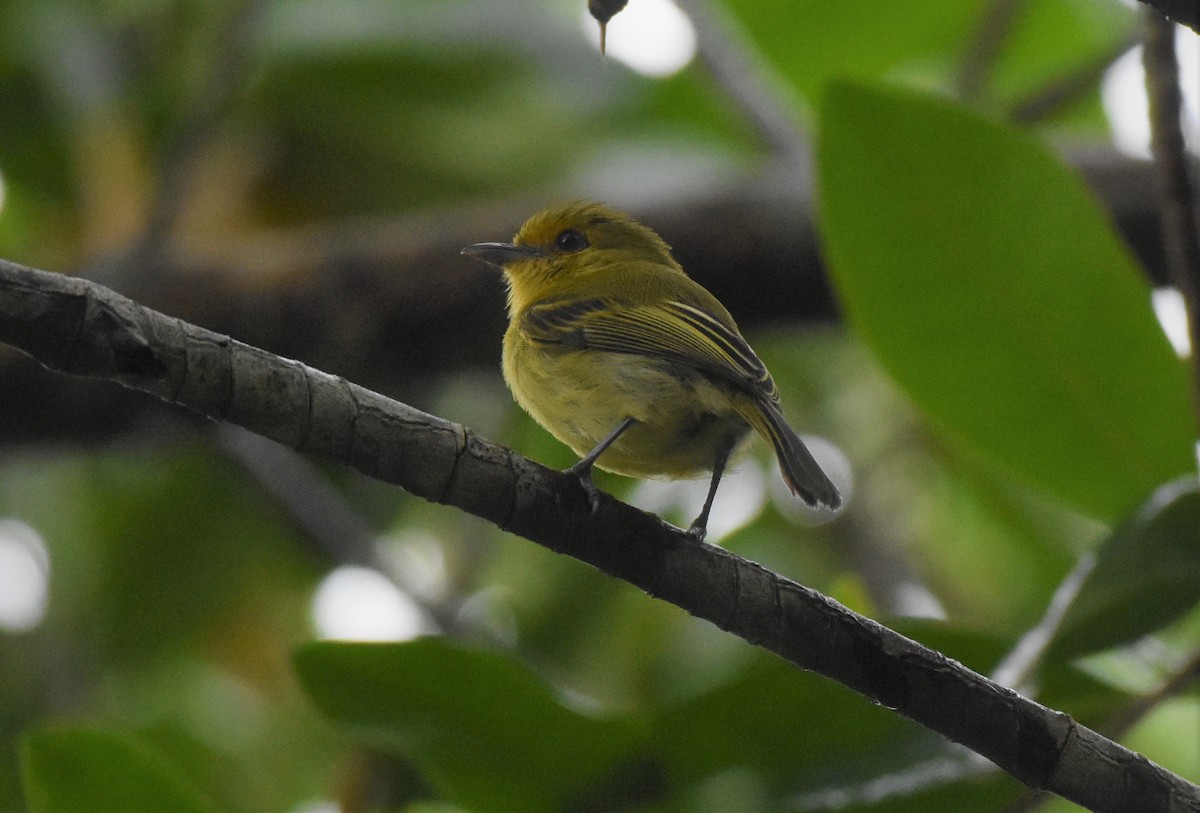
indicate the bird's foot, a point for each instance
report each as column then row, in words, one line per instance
column 582, row 471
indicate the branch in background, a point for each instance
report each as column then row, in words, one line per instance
column 1177, row 683
column 983, row 49
column 403, row 293
column 1180, row 232
column 81, row 328
column 752, row 85
column 955, row 766
column 996, row 24
column 207, row 105
column 1184, row 12
column 1017, row 668
column 331, row 525
column 884, row 563
column 1059, row 95
column 336, row 531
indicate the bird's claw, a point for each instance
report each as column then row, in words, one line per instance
column 583, row 473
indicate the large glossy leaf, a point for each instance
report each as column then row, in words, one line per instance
column 487, row 732
column 70, row 770
column 991, row 286
column 1147, row 574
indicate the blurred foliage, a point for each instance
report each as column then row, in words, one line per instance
column 177, row 662
column 1147, row 575
column 65, row 769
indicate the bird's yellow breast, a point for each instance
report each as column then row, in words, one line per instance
column 684, row 419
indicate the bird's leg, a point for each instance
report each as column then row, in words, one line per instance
column 700, row 526
column 583, row 469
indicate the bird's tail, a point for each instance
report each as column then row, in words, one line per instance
column 800, row 471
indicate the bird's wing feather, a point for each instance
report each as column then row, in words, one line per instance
column 671, row 330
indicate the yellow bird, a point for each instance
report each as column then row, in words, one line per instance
column 616, row 351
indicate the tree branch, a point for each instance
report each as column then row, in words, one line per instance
column 752, row 85
column 1064, row 91
column 985, row 44
column 1180, row 232
column 203, row 114
column 337, row 532
column 84, row 329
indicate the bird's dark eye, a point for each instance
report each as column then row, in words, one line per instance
column 570, row 240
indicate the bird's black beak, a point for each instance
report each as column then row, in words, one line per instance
column 500, row 254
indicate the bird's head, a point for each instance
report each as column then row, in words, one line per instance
column 564, row 246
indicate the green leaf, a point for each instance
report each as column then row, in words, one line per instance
column 992, row 288
column 76, row 769
column 811, row 42
column 1147, row 574
column 764, row 722
column 488, row 733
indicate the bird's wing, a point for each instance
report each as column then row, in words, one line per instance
column 671, row 330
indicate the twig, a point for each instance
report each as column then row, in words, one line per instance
column 195, row 127
column 1015, row 668
column 955, row 766
column 1053, row 98
column 339, row 533
column 986, row 42
column 750, row 82
column 1180, row 233
column 1183, row 677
